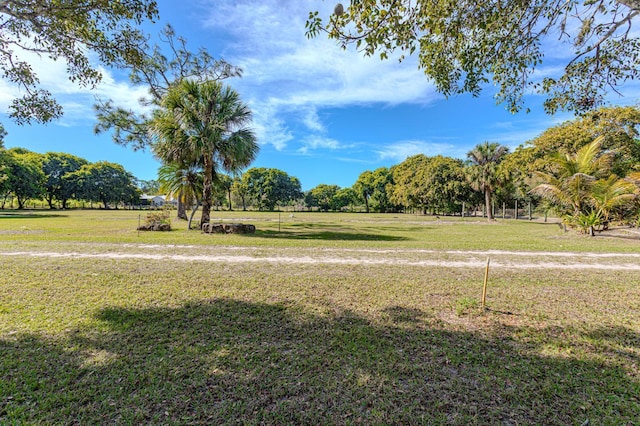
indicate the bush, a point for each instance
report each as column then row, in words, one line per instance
column 157, row 221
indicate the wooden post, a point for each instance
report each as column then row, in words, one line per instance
column 463, row 209
column 484, row 287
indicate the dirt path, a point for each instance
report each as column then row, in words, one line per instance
column 408, row 257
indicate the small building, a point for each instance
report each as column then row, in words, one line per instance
column 155, row 200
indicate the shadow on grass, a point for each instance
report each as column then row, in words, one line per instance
column 325, row 235
column 228, row 361
column 26, row 214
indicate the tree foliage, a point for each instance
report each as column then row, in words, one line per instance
column 618, row 126
column 483, row 171
column 162, row 67
column 69, row 30
column 268, row 187
column 58, row 168
column 371, row 187
column 582, row 188
column 204, row 123
column 464, row 45
column 436, row 183
column 323, row 197
column 106, row 183
column 23, row 175
column 183, row 182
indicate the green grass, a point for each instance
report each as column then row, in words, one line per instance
column 106, row 341
column 304, row 229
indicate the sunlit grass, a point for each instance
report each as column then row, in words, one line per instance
column 305, row 229
column 162, row 341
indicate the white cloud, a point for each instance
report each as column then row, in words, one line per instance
column 312, row 120
column 287, row 74
column 77, row 101
column 399, row 151
column 314, row 142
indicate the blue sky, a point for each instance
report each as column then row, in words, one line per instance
column 321, row 114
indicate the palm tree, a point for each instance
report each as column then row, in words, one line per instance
column 183, row 182
column 568, row 187
column 485, row 158
column 206, row 124
column 582, row 187
column 612, row 193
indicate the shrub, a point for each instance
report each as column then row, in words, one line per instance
column 156, row 221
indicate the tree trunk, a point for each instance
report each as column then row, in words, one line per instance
column 487, row 203
column 366, row 203
column 182, row 209
column 193, row 213
column 207, row 190
column 229, row 194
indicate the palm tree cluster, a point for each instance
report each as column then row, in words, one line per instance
column 583, row 189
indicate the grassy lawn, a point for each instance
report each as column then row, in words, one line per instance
column 161, row 341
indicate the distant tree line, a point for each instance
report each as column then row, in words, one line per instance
column 586, row 171
column 58, row 178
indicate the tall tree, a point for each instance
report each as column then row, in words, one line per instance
column 617, row 125
column 404, row 191
column 484, row 159
column 106, row 183
column 163, row 66
column 269, row 187
column 204, row 123
column 463, row 45
column 72, row 31
column 438, row 183
column 149, row 186
column 25, row 178
column 364, row 187
column 344, row 197
column 322, row 196
column 226, row 183
column 240, row 188
column 59, row 185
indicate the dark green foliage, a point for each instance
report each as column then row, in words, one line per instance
column 269, row 187
column 58, row 168
column 106, row 183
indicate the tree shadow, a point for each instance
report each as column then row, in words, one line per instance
column 28, row 215
column 227, row 361
column 325, row 235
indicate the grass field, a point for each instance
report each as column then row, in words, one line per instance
column 315, row 319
